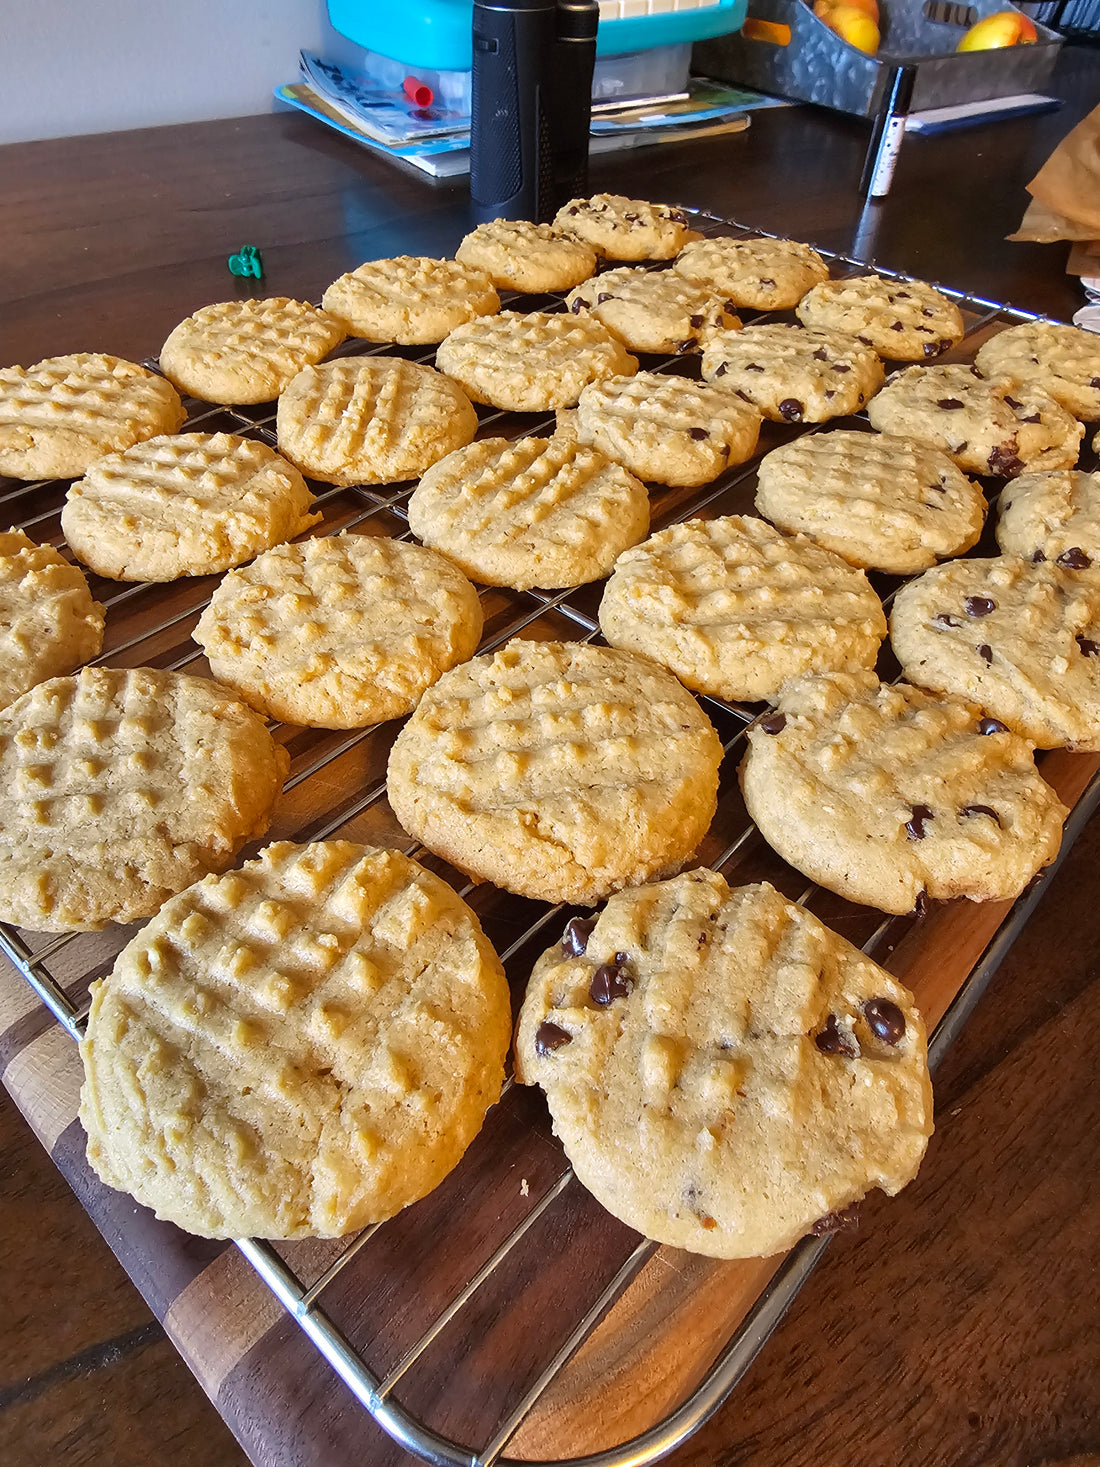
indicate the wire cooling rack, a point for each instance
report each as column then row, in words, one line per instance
column 502, row 1233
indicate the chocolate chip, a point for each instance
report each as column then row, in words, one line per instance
column 678, row 216
column 884, row 1019
column 767, row 282
column 731, row 306
column 774, row 723
column 695, row 321
column 1074, row 559
column 979, row 606
column 744, row 396
column 631, row 218
column 549, row 1037
column 1033, row 418
column 927, row 311
column 604, row 295
column 937, row 348
column 699, row 434
column 1012, row 402
column 821, row 355
column 843, row 1220
column 945, row 619
column 900, row 295
column 896, row 326
column 721, row 369
column 975, row 373
column 791, row 409
column 925, row 331
column 985, row 652
column 829, row 393
column 687, row 344
column 1005, row 461
column 922, row 905
column 914, row 828
column 1038, row 557
column 963, row 446
column 578, row 306
column 1088, row 649
column 574, row 210
column 753, row 367
column 1094, row 382
column 832, row 1040
column 610, row 981
column 991, row 726
column 949, row 403
column 841, row 367
column 864, row 340
column 981, row 810
column 574, row 940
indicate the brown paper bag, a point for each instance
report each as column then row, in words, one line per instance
column 1066, row 190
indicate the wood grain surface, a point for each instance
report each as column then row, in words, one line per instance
column 961, row 1323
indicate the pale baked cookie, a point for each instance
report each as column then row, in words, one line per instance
column 734, row 608
column 529, row 258
column 531, row 363
column 542, row 512
column 986, row 427
column 905, row 320
column 339, row 632
column 410, row 299
column 666, row 428
column 1020, row 640
column 557, row 770
column 49, row 623
column 883, row 793
column 1053, row 516
column 372, row 420
column 793, row 375
column 882, row 502
column 725, row 1073
column 295, row 1049
column 119, row 788
column 765, row 274
column 1061, row 361
column 60, row 415
column 653, row 310
column 626, row 229
column 187, row 504
column 247, row 351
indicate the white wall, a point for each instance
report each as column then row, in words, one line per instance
column 79, row 66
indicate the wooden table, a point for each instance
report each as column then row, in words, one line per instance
column 961, row 1324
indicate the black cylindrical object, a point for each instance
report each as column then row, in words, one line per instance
column 887, row 132
column 511, row 166
column 571, row 96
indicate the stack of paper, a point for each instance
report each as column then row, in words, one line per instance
column 436, row 139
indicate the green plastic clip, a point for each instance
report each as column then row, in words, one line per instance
column 247, row 262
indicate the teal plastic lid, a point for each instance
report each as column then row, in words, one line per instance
column 435, row 34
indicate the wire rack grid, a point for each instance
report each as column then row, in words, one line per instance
column 337, row 788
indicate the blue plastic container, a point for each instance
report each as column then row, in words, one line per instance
column 435, row 34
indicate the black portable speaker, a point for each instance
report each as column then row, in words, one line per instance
column 531, row 104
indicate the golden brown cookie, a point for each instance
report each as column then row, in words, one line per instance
column 558, row 770
column 764, row 274
column 372, row 420
column 411, row 300
column 884, row 793
column 339, row 632
column 529, row 258
column 185, row 505
column 626, row 229
column 734, row 608
column 118, row 788
column 532, row 363
column 247, row 351
column 542, row 512
column 60, row 415
column 724, row 1072
column 49, row 623
column 295, row 1049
